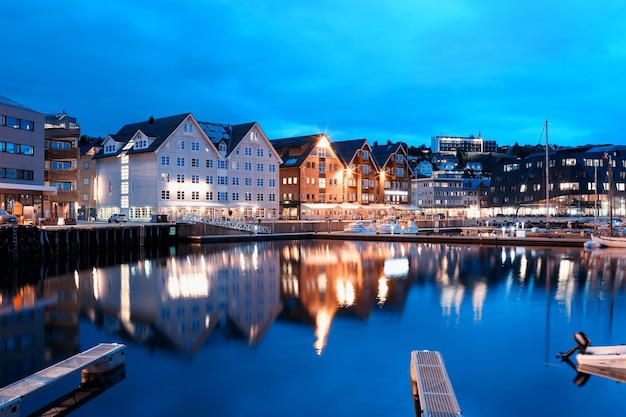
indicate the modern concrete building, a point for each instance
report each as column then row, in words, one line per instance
column 452, row 144
column 22, row 187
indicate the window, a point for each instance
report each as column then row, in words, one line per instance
column 195, row 162
column 165, row 177
column 248, row 181
column 85, row 181
column 235, row 197
column 209, row 195
column 399, row 158
column 259, row 197
column 399, row 172
column 180, row 145
column 248, row 196
column 195, row 179
column 259, row 182
column 272, row 182
column 235, row 181
column 365, row 155
column 272, row 167
column 85, row 165
column 259, row 152
column 221, row 164
column 109, row 149
column 222, row 180
column 180, row 162
column 195, row 195
column 209, row 179
column 165, row 195
column 180, row 195
column 188, row 129
column 248, row 151
column 247, row 166
column 195, row 146
column 221, row 196
column 165, row 161
column 209, row 163
column 259, row 167
column 180, row 177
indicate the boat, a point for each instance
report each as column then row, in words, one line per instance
column 609, row 241
column 358, row 227
column 389, row 227
column 612, row 357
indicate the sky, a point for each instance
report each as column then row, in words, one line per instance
column 382, row 70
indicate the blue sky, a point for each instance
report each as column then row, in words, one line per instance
column 392, row 70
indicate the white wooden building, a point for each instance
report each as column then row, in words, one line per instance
column 184, row 169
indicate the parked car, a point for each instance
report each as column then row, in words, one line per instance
column 7, row 218
column 118, row 218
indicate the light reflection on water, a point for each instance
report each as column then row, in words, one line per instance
column 359, row 307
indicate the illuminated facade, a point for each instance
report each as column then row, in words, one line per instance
column 577, row 180
column 453, row 144
column 311, row 177
column 362, row 174
column 395, row 173
column 185, row 169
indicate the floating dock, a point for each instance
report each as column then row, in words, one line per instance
column 42, row 390
column 432, row 390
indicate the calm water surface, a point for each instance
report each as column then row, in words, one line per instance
column 326, row 328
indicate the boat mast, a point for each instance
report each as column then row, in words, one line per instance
column 610, row 174
column 547, row 180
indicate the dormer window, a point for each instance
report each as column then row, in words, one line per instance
column 222, row 148
column 141, row 143
column 109, row 148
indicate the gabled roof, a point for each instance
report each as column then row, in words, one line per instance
column 159, row 129
column 346, row 149
column 8, row 102
column 230, row 134
column 305, row 143
column 382, row 153
column 85, row 147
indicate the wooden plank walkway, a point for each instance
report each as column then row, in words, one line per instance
column 22, row 397
column 432, row 390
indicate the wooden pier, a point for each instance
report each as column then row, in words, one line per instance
column 432, row 390
column 42, row 390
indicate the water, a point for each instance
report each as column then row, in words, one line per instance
column 326, row 328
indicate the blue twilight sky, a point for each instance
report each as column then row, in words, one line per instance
column 400, row 70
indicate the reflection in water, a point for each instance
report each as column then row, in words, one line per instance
column 177, row 302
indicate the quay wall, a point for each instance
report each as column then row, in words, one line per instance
column 88, row 245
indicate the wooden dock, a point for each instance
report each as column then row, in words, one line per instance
column 35, row 392
column 432, row 390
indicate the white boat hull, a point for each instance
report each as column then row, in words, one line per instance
column 603, row 356
column 610, row 241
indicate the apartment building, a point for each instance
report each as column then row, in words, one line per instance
column 62, row 133
column 578, row 182
column 22, row 187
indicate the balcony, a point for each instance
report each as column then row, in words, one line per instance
column 65, row 196
column 64, row 154
column 60, row 175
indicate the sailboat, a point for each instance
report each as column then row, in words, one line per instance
column 610, row 240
